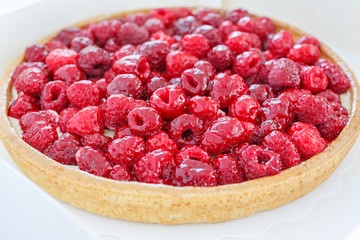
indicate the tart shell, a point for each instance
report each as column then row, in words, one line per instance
column 175, row 205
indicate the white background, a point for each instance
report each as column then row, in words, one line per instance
column 332, row 211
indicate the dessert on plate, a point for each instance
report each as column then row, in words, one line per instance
column 179, row 115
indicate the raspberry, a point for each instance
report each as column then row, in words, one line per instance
column 259, row 162
column 87, row 121
column 211, row 33
column 124, row 51
column 192, row 152
column 248, row 63
column 204, row 107
column 235, row 15
column 133, row 64
column 308, row 40
column 240, row 42
column 130, row 33
column 339, row 82
column 65, row 116
column 84, row 93
column 161, row 140
column 268, row 24
column 94, row 61
column 36, row 53
column 166, row 15
column 40, row 135
column 261, row 92
column 195, row 44
column 244, row 108
column 105, row 30
column 212, row 18
column 206, row 67
column 25, row 65
column 220, row 56
column 31, row 80
column 194, row 82
column 154, row 167
column 53, row 96
column 186, row 25
column 265, row 70
column 222, row 135
column 332, row 128
column 93, row 161
column 266, row 128
column 331, row 96
column 47, row 116
column 284, row 74
column 120, row 173
column 55, row 44
column 122, row 131
column 109, row 75
column 161, row 36
column 194, row 173
column 97, row 141
column 170, row 101
column 182, row 12
column 226, row 88
column 304, row 53
column 227, row 170
column 102, row 85
column 186, row 129
column 126, row 150
column 282, row 143
column 268, row 55
column 281, row 43
column 313, row 79
column 137, row 18
column 155, row 52
column 63, row 150
column 69, row 74
column 144, row 121
column 67, row 34
column 177, row 62
column 86, row 32
column 127, row 84
column 277, row 109
column 227, row 27
column 251, row 25
column 78, row 43
column 153, row 25
column 293, row 94
column 60, row 57
column 111, row 45
column 307, row 139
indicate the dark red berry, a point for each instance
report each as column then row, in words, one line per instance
column 154, row 84
column 120, row 173
column 308, row 40
column 220, row 56
column 304, row 53
column 277, row 109
column 104, row 30
column 186, row 25
column 268, row 24
column 36, row 53
column 211, row 33
column 194, row 82
column 26, row 65
column 69, row 74
column 332, row 128
column 124, row 51
column 65, row 116
column 66, row 34
column 281, row 43
column 84, row 93
column 240, row 42
column 93, row 161
column 313, row 79
column 131, row 33
column 94, row 61
column 53, row 96
column 267, row 127
column 155, row 52
column 122, row 131
column 87, row 121
column 177, row 62
column 126, row 150
column 192, row 152
column 235, row 15
column 64, row 149
column 55, row 44
column 293, row 94
column 40, row 135
column 330, row 95
column 284, row 74
column 261, row 92
column 195, row 44
column 248, row 63
column 186, row 129
column 47, row 116
column 127, row 84
column 251, row 25
column 78, row 43
column 244, row 108
column 153, row 25
column 97, row 141
column 204, row 107
column 133, row 64
column 144, row 121
column 227, row 170
column 161, row 140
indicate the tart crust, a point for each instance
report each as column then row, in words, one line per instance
column 175, row 205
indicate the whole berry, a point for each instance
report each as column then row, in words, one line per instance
column 47, row 116
column 211, row 33
column 244, row 108
column 64, row 149
column 206, row 67
column 60, row 57
column 36, row 53
column 220, row 56
column 166, row 15
column 277, row 109
column 120, row 173
column 97, row 141
column 281, row 43
column 161, row 140
column 251, row 25
column 93, row 161
column 84, row 93
column 40, row 135
column 192, row 152
column 177, row 62
column 53, row 96
column 261, row 92
column 284, row 74
column 304, row 53
column 204, row 107
column 248, row 63
column 31, row 81
column 65, row 116
column 89, row 120
column 155, row 53
column 144, row 121
column 240, row 42
column 133, row 64
column 69, row 74
column 194, row 82
column 131, row 33
column 94, row 61
column 127, row 84
column 126, row 150
column 195, row 44
column 227, row 170
column 186, row 129
column 313, row 79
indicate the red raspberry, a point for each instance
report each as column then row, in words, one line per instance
column 331, row 96
column 87, row 121
column 137, row 18
column 307, row 139
column 177, row 62
column 47, row 116
column 60, row 57
column 194, row 82
column 182, row 12
column 204, row 107
column 161, row 140
column 293, row 94
column 211, row 33
column 268, row 55
column 78, row 43
column 240, row 42
column 126, row 150
column 93, row 161
column 220, row 56
column 102, row 85
column 170, row 101
column 130, row 33
column 166, row 15
column 304, row 53
column 111, row 45
column 313, row 79
column 281, row 43
column 66, row 34
column 282, row 143
column 31, row 80
column 192, row 152
column 235, row 15
column 153, row 25
column 40, row 135
column 65, row 116
column 308, row 40
column 222, row 135
column 154, row 84
column 186, row 129
column 339, row 82
column 212, row 18
column 104, row 30
column 284, row 74
column 265, row 70
column 53, row 96
column 194, row 173
column 144, row 121
column 268, row 24
column 195, row 44
column 120, row 173
column 313, row 109
column 244, row 108
column 154, row 167
column 226, row 88
column 186, row 25
column 227, row 170
column 155, row 52
column 248, row 63
column 261, row 92
column 133, row 64
column 266, row 128
column 84, row 33
column 94, row 61
column 124, row 51
column 127, row 84
column 55, row 44
column 69, row 74
column 109, row 75
column 63, row 150
column 26, row 65
column 97, row 141
column 259, row 162
column 84, row 93
column 36, row 53
column 332, row 128
column 122, row 131
column 161, row 36
column 251, row 25
column 206, row 67
column 227, row 27
column 277, row 109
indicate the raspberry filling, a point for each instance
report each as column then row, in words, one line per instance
column 192, row 98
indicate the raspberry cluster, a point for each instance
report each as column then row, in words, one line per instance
column 195, row 98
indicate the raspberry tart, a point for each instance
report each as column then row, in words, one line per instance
column 179, row 115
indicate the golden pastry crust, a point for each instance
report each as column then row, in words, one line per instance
column 175, row 205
